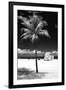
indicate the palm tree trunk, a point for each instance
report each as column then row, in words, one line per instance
column 36, row 61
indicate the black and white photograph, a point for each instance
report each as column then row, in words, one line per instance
column 37, row 44
column 37, row 49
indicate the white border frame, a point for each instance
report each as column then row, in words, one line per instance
column 21, row 82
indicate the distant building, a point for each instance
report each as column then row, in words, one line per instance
column 48, row 56
column 55, row 54
column 51, row 55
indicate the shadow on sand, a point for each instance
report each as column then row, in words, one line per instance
column 24, row 73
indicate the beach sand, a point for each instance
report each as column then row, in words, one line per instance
column 46, row 69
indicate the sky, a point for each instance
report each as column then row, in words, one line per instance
column 43, row 43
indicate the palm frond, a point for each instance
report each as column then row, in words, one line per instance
column 45, row 23
column 47, row 34
column 24, row 34
column 25, row 22
column 27, row 36
column 34, row 37
column 40, row 25
column 22, row 18
column 44, row 32
column 26, row 30
column 34, row 20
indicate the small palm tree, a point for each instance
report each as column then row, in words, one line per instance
column 33, row 27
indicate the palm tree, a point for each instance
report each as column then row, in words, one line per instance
column 33, row 27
